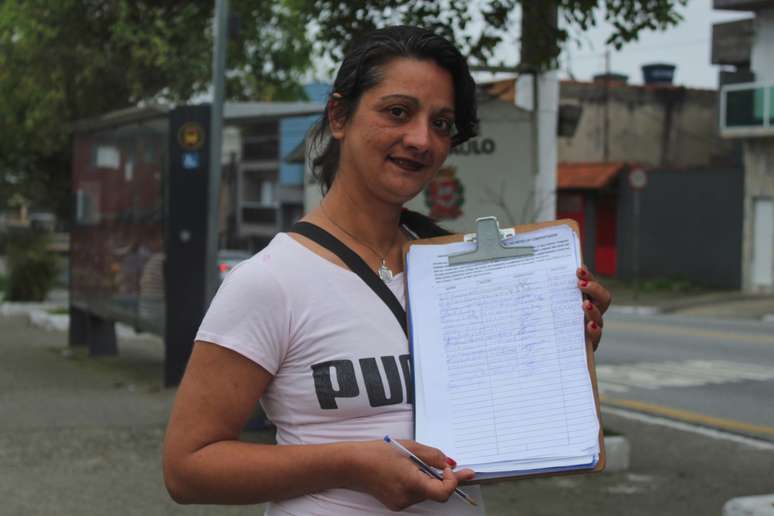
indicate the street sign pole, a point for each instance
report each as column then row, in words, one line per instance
column 636, row 264
column 638, row 180
column 220, row 23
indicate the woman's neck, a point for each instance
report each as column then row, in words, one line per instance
column 371, row 221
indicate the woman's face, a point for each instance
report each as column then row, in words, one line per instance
column 400, row 133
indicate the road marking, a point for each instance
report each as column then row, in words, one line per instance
column 689, row 373
column 678, row 425
column 654, row 328
column 688, row 416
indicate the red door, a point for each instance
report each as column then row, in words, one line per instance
column 606, row 252
column 569, row 205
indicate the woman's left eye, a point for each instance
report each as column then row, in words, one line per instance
column 444, row 125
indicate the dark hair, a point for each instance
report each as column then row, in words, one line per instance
column 360, row 71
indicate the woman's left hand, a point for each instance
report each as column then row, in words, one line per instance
column 596, row 300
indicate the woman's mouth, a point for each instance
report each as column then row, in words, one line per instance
column 407, row 164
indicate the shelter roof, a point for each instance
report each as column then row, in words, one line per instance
column 572, row 176
column 245, row 111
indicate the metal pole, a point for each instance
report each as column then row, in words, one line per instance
column 636, row 246
column 606, row 122
column 220, row 25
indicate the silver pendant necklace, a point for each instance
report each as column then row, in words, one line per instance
column 384, row 272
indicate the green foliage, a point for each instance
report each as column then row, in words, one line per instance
column 32, row 267
column 479, row 26
column 73, row 59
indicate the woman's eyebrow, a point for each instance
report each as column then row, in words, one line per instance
column 414, row 102
column 403, row 98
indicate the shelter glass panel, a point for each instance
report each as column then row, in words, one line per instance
column 117, row 236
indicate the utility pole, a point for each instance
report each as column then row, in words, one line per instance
column 539, row 58
column 220, row 24
column 606, row 114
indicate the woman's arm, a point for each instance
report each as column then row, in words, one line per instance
column 204, row 462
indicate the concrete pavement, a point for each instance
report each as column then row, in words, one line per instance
column 690, row 301
column 82, row 436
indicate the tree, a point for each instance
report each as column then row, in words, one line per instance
column 72, row 59
column 479, row 26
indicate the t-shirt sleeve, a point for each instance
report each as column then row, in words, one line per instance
column 249, row 315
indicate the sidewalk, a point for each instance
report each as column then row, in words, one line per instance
column 689, row 301
column 82, row 436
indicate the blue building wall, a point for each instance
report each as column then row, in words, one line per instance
column 292, row 131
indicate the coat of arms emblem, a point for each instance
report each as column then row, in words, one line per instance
column 445, row 195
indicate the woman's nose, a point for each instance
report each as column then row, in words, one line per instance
column 417, row 135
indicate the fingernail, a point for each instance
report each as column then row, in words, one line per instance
column 594, row 325
column 451, row 462
column 583, row 273
column 588, row 305
column 584, row 283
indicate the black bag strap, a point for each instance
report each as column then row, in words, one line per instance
column 356, row 264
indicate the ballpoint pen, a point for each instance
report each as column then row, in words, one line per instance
column 426, row 468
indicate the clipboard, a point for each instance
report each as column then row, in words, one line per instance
column 489, row 238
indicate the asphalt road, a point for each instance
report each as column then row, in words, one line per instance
column 82, row 436
column 714, row 373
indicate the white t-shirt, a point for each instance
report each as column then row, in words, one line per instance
column 338, row 356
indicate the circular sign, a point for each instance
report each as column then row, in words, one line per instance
column 638, row 179
column 190, row 136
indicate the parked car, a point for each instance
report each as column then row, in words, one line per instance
column 228, row 258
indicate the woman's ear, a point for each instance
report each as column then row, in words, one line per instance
column 336, row 116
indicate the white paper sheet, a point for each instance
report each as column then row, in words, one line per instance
column 499, row 355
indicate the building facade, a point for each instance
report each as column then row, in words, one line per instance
column 745, row 48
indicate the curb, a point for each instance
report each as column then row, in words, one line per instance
column 634, row 310
column 617, row 453
column 38, row 315
column 656, row 310
column 710, row 299
column 11, row 309
column 762, row 505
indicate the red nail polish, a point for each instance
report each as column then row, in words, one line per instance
column 584, row 283
column 583, row 273
column 588, row 305
column 594, row 325
column 451, row 462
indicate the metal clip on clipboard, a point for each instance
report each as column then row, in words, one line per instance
column 489, row 239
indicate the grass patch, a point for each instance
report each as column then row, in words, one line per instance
column 60, row 310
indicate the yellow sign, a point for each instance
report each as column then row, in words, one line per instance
column 191, row 136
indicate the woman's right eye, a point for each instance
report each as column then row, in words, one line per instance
column 398, row 112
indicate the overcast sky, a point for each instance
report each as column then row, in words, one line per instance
column 687, row 45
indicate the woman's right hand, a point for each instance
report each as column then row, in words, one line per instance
column 383, row 472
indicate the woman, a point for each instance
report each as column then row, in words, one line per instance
column 286, row 318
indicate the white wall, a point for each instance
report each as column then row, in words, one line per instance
column 763, row 46
column 758, row 159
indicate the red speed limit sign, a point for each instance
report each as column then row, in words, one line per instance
column 638, row 178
